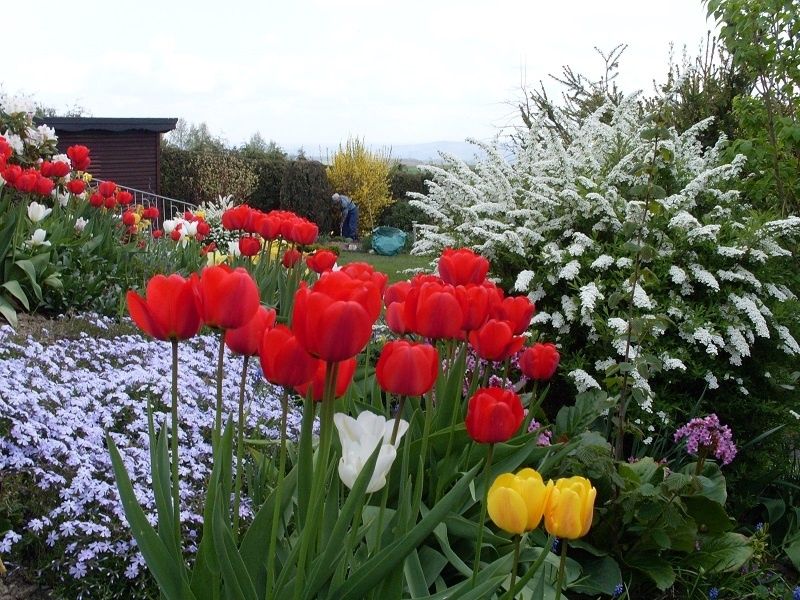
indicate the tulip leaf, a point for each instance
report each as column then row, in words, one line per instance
column 160, row 465
column 432, row 563
column 168, row 573
column 30, row 271
column 15, row 289
column 373, row 570
column 234, row 573
column 8, row 312
column 488, row 580
column 7, row 233
column 440, row 531
column 327, row 562
column 305, row 462
column 253, row 547
column 414, row 575
column 600, row 576
column 206, row 572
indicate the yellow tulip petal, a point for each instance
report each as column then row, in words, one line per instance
column 507, row 510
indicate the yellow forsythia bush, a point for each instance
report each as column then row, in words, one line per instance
column 363, row 175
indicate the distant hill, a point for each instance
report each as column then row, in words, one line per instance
column 411, row 154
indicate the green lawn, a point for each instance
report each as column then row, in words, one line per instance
column 393, row 266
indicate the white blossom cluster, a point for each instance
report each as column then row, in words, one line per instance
column 690, row 263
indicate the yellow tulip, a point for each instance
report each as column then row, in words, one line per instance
column 516, row 502
column 569, row 508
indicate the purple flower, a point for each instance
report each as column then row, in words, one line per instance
column 706, row 435
column 618, row 590
column 713, row 594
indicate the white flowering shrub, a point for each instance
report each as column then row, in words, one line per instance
column 637, row 247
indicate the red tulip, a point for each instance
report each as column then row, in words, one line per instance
column 168, row 311
column 226, row 298
column 333, row 319
column 79, row 155
column 151, row 212
column 366, row 272
column 516, row 309
column 321, row 261
column 344, row 376
column 158, row 233
column 304, row 232
column 395, row 317
column 203, row 229
column 540, row 361
column 96, row 200
column 110, row 203
column 53, row 169
column 129, row 218
column 462, row 266
column 107, row 189
column 175, row 234
column 76, row 186
column 407, row 369
column 236, row 217
column 493, row 415
column 290, row 258
column 476, row 303
column 396, row 292
column 124, row 197
column 268, row 226
column 11, row 173
column 43, row 186
column 249, row 246
column 432, row 310
column 247, row 338
column 283, row 360
column 495, row 341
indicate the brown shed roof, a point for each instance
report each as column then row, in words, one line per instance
column 110, row 124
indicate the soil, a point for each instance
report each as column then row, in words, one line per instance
column 12, row 588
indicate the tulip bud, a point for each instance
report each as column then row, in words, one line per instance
column 493, row 415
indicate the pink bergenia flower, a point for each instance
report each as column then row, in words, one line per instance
column 707, row 436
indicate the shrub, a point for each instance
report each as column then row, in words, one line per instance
column 660, row 283
column 363, row 175
column 403, row 215
column 305, row 190
column 203, row 175
column 269, row 171
column 404, row 179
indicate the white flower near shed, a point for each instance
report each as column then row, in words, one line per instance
column 37, row 212
column 37, row 239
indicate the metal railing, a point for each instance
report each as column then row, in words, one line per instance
column 167, row 207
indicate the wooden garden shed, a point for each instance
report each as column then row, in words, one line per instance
column 124, row 150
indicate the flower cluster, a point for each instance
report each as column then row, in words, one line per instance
column 518, row 503
column 181, row 229
column 706, row 436
column 58, row 401
column 268, row 226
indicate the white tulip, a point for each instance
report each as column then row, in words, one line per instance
column 169, row 225
column 37, row 239
column 233, row 249
column 80, row 223
column 359, row 437
column 37, row 212
column 190, row 228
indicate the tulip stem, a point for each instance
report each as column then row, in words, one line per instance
column 515, row 566
column 562, row 563
column 176, row 489
column 532, row 404
column 320, row 471
column 220, row 374
column 278, row 493
column 237, row 486
column 545, row 551
column 487, row 471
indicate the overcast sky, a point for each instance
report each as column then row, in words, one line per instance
column 310, row 73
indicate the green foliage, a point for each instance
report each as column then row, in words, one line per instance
column 404, row 179
column 270, row 171
column 760, row 34
column 305, row 190
column 203, row 175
